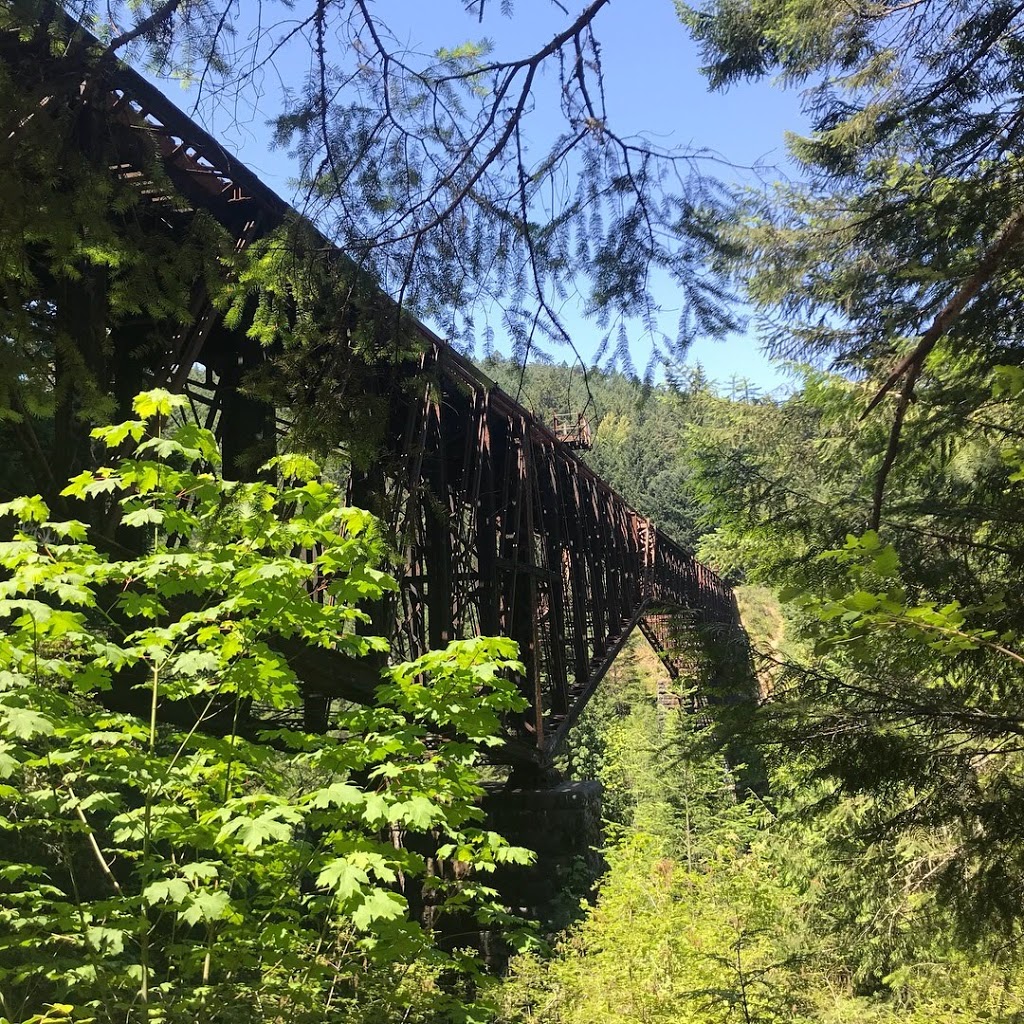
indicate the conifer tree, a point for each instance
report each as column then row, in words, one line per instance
column 890, row 514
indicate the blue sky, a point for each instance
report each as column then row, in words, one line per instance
column 653, row 86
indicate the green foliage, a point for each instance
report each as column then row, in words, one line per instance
column 716, row 910
column 419, row 166
column 91, row 279
column 669, row 944
column 900, row 675
column 896, row 260
column 334, row 334
column 761, row 615
column 183, row 863
column 872, row 600
column 648, row 760
column 681, row 928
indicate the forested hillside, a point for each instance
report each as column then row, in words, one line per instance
column 641, row 431
column 883, row 502
column 718, row 909
column 881, row 879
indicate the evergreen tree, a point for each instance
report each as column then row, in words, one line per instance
column 898, row 259
column 891, row 517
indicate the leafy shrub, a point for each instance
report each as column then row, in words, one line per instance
column 179, row 863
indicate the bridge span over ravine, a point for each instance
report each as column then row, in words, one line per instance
column 501, row 527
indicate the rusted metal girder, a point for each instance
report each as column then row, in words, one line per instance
column 502, row 529
column 505, row 530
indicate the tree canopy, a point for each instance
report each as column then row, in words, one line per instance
column 889, row 515
column 898, row 260
column 441, row 172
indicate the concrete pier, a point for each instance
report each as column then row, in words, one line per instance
column 562, row 825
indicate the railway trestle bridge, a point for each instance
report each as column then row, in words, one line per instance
column 502, row 528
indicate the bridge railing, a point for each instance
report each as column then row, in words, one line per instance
column 678, row 578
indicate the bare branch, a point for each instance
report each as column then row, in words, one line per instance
column 1011, row 233
column 162, row 14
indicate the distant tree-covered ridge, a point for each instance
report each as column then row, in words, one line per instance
column 641, row 431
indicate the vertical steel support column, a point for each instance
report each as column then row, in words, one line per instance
column 247, row 426
column 529, row 608
column 487, row 525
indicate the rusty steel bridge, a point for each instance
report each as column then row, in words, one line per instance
column 501, row 527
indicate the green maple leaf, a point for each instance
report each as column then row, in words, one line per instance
column 338, row 794
column 73, row 529
column 204, row 870
column 157, row 402
column 109, row 941
column 196, row 663
column 99, row 485
column 376, row 809
column 76, row 485
column 114, row 435
column 8, row 764
column 419, row 812
column 26, row 509
column 143, row 517
column 171, row 890
column 73, row 593
column 24, row 723
column 343, row 877
column 379, row 905
column 208, row 906
column 254, row 832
